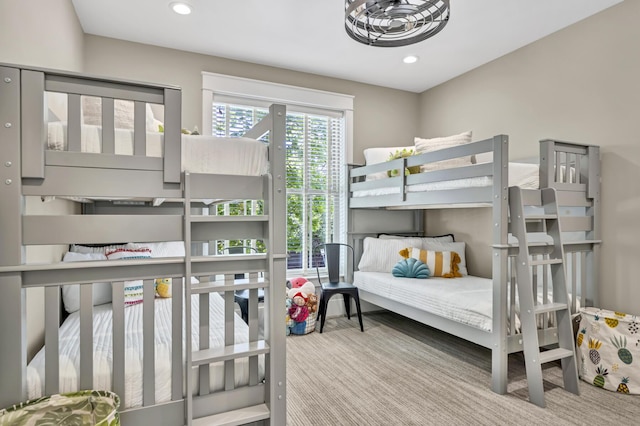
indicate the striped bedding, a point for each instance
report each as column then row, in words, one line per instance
column 69, row 351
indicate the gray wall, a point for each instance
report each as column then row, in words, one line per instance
column 382, row 117
column 43, row 33
column 580, row 84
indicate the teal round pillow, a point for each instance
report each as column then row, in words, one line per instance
column 411, row 268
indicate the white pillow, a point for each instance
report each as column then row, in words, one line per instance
column 164, row 249
column 458, row 247
column 71, row 293
column 434, row 144
column 123, row 114
column 381, row 255
column 380, row 155
column 483, row 157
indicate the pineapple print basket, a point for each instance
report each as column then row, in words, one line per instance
column 608, row 349
column 77, row 408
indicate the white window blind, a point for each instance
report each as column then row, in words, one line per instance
column 318, row 143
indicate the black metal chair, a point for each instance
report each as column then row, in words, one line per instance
column 241, row 297
column 331, row 253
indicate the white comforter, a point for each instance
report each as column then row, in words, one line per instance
column 102, row 348
column 524, row 175
column 200, row 154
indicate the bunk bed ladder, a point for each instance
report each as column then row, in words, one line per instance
column 544, row 218
column 204, row 356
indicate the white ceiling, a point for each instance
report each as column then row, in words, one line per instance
column 309, row 35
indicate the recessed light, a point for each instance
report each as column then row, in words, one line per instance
column 411, row 59
column 180, row 8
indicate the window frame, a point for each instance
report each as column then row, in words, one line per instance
column 222, row 88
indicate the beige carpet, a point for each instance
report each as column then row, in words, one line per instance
column 400, row 372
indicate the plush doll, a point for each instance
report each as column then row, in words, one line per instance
column 297, row 282
column 298, row 310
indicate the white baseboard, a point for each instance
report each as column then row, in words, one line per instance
column 335, row 308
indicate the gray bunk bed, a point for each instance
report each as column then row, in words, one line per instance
column 397, row 205
column 29, row 168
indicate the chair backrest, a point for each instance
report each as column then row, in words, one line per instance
column 331, row 252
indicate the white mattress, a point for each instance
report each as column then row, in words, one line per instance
column 200, row 154
column 102, row 346
column 467, row 300
column 524, row 175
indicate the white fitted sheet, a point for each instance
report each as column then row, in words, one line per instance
column 200, row 154
column 524, row 175
column 103, row 347
column 467, row 300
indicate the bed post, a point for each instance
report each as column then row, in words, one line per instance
column 499, row 354
column 12, row 311
column 274, row 302
column 593, row 192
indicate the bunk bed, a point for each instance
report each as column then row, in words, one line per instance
column 191, row 356
column 572, row 169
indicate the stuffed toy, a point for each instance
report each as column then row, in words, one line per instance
column 298, row 310
column 312, row 304
column 163, row 287
column 301, row 302
column 298, row 282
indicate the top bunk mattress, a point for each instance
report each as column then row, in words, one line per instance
column 525, row 175
column 200, row 154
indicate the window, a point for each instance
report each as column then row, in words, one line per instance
column 317, row 143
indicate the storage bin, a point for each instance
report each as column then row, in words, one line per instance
column 77, row 408
column 608, row 349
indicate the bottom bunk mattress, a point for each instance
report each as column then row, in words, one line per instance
column 467, row 300
column 69, row 351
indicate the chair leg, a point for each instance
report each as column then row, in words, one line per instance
column 357, row 298
column 347, row 304
column 324, row 300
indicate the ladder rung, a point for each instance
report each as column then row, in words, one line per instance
column 239, row 350
column 540, row 216
column 555, row 354
column 235, row 417
column 217, row 286
column 545, row 262
column 549, row 307
column 234, row 218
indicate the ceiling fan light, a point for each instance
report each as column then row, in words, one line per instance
column 392, row 23
column 181, row 8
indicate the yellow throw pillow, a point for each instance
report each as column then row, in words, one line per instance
column 441, row 263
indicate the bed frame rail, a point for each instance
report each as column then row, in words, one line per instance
column 33, row 87
column 395, row 189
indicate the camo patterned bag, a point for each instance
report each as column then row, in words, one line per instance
column 70, row 409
